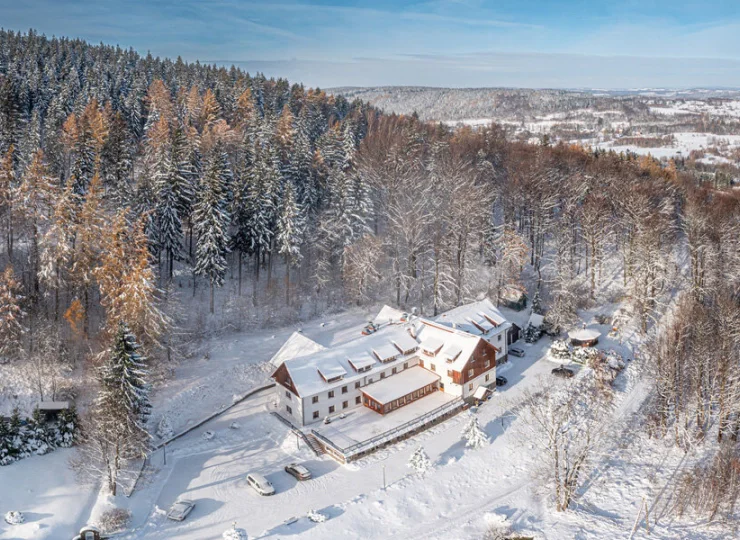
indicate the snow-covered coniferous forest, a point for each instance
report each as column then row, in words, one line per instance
column 166, row 226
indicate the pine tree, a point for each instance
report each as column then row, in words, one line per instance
column 8, row 196
column 11, row 314
column 211, row 224
column 38, row 194
column 289, row 233
column 121, row 409
column 419, row 461
column 473, row 435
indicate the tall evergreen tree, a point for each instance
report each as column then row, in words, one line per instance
column 211, row 223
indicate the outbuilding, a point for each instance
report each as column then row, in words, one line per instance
column 585, row 337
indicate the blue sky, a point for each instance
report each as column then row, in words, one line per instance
column 460, row 43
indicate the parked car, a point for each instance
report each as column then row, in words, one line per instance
column 299, row 472
column 260, row 484
column 180, row 510
column 516, row 351
column 563, row 372
column 370, row 328
column 501, row 381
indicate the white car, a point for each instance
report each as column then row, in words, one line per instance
column 516, row 351
column 180, row 510
column 260, row 484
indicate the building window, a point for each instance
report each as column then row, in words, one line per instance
column 369, row 381
column 470, row 373
column 345, row 404
column 470, row 387
column 405, row 365
column 315, row 399
column 487, row 377
column 331, row 408
column 316, row 414
column 287, row 408
column 331, row 394
column 394, row 371
column 358, row 400
column 357, row 384
column 382, row 375
column 449, row 373
column 344, row 389
column 487, row 363
column 287, row 394
column 499, row 337
column 434, row 368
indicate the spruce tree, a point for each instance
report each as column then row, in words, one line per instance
column 211, row 224
column 289, row 233
column 121, row 409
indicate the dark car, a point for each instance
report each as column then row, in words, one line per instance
column 299, row 472
column 501, row 381
column 563, row 372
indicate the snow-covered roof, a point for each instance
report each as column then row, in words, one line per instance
column 405, row 343
column 296, row 345
column 478, row 318
column 389, row 314
column 385, row 351
column 330, row 369
column 584, row 334
column 362, row 362
column 401, row 384
column 304, row 370
column 480, row 392
column 432, row 344
column 452, row 351
column 53, row 405
column 536, row 320
column 451, row 341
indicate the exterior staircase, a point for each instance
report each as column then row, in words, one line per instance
column 312, row 442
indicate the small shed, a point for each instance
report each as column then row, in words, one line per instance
column 88, row 532
column 50, row 409
column 513, row 333
column 585, row 337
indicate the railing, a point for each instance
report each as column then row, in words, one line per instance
column 390, row 434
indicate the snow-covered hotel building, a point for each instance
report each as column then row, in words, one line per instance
column 401, row 363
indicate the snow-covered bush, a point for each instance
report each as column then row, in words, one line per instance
column 560, row 351
column 32, row 436
column 532, row 333
column 316, row 517
column 234, row 534
column 473, row 435
column 14, row 518
column 234, row 425
column 419, row 461
column 208, row 435
column 586, row 355
column 497, row 527
column 115, row 520
column 164, row 428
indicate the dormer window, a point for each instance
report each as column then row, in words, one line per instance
column 386, row 353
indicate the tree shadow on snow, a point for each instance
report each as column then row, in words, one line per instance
column 30, row 517
column 303, row 524
column 452, row 454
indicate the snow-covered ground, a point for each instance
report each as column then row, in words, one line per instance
column 684, row 144
column 45, row 490
column 456, row 499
